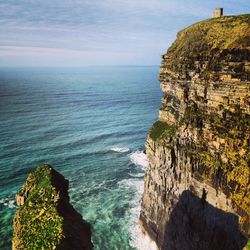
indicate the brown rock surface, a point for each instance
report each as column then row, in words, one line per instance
column 197, row 183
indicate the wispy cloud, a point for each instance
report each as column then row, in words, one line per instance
column 139, row 31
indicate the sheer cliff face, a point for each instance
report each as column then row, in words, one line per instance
column 196, row 190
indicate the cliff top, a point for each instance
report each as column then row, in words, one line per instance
column 217, row 34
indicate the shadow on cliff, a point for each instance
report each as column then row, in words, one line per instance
column 76, row 230
column 195, row 224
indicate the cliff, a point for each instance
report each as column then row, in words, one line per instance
column 46, row 219
column 196, row 186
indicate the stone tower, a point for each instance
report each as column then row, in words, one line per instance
column 218, row 13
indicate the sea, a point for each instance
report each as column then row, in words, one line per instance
column 90, row 124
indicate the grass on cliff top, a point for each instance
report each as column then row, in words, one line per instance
column 41, row 227
column 229, row 32
column 161, row 130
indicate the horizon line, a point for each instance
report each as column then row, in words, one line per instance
column 82, row 66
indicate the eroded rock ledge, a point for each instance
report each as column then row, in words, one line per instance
column 196, row 187
column 46, row 219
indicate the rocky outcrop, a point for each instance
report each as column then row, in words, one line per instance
column 197, row 183
column 46, row 219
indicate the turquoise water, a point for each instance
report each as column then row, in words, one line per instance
column 90, row 124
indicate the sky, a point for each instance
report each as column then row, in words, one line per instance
column 71, row 33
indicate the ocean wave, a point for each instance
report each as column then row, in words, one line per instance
column 138, row 175
column 135, row 184
column 91, row 189
column 137, row 239
column 139, row 159
column 119, row 149
column 8, row 202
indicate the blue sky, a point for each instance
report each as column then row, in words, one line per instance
column 97, row 32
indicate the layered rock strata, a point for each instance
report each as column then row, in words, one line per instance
column 46, row 219
column 196, row 187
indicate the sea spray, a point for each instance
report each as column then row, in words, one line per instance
column 139, row 158
column 119, row 149
column 137, row 239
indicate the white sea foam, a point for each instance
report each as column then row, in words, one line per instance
column 10, row 203
column 135, row 184
column 138, row 239
column 119, row 149
column 72, row 189
column 139, row 159
column 141, row 241
column 139, row 175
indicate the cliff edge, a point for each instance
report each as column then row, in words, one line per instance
column 46, row 219
column 197, row 183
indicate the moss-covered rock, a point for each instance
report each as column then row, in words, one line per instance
column 161, row 130
column 46, row 220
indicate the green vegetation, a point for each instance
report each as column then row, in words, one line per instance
column 234, row 125
column 193, row 115
column 174, row 112
column 229, row 32
column 41, row 227
column 211, row 40
column 161, row 130
column 247, row 247
column 228, row 164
